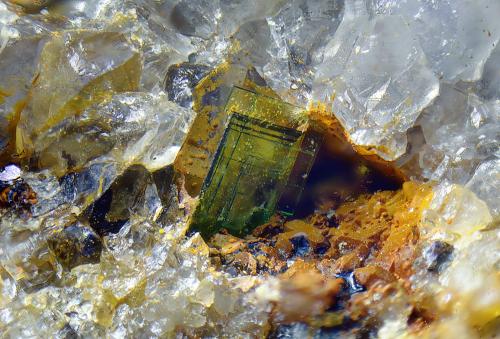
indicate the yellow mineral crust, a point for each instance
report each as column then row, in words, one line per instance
column 384, row 239
column 377, row 237
column 383, row 225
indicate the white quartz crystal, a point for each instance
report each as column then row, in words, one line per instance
column 378, row 91
column 456, row 36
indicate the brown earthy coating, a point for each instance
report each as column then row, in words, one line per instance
column 374, row 236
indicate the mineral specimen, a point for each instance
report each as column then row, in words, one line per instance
column 279, row 157
column 230, row 197
column 211, row 102
column 111, row 115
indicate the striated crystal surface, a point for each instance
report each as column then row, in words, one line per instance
column 251, row 149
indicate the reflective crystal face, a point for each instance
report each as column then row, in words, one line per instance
column 259, row 166
column 247, row 177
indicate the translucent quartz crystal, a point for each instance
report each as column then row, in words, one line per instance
column 283, row 41
column 76, row 70
column 458, row 211
column 212, row 26
column 75, row 245
column 456, row 36
column 489, row 84
column 6, row 19
column 17, row 68
column 461, row 132
column 378, row 92
column 486, row 184
column 181, row 80
column 300, row 32
column 129, row 128
column 192, row 18
column 134, row 192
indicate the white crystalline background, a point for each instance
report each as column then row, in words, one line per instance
column 418, row 81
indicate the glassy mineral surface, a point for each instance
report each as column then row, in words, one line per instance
column 259, row 166
column 111, row 115
column 249, row 174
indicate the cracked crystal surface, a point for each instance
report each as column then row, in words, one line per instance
column 111, row 113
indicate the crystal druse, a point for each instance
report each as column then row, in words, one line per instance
column 249, row 169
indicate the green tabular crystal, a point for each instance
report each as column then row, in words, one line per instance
column 259, row 168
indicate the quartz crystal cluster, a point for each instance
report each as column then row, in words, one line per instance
column 111, row 113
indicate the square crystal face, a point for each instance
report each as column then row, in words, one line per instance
column 258, row 168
